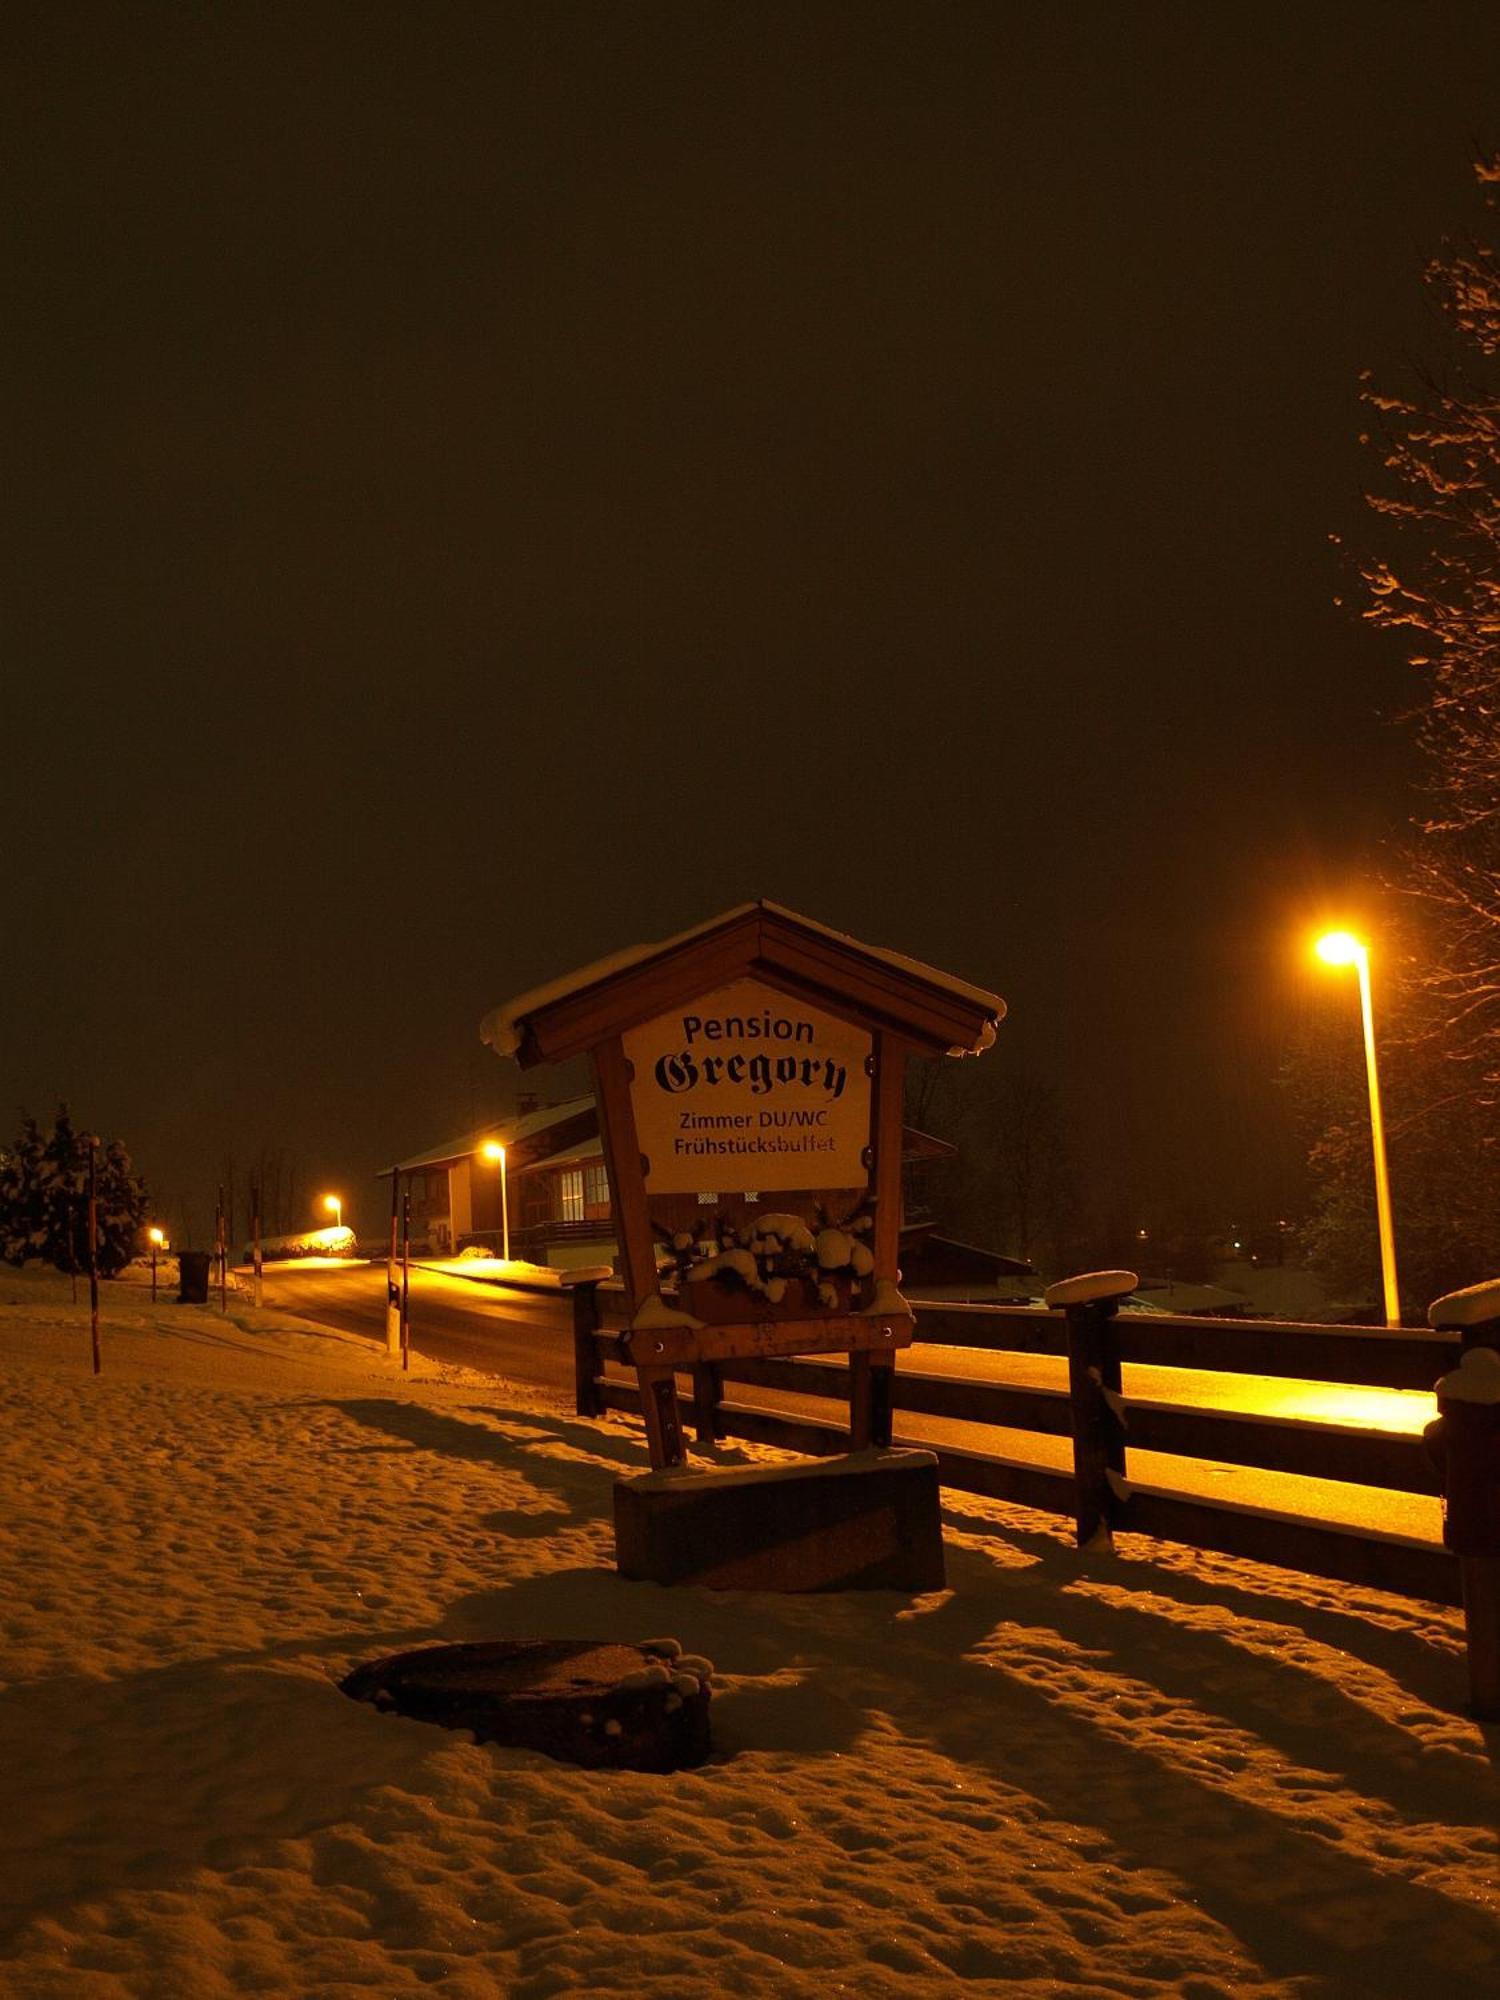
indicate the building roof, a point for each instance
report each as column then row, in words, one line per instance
column 509, row 1131
column 923, row 1244
column 933, row 1010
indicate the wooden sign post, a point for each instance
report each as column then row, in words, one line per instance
column 750, row 1076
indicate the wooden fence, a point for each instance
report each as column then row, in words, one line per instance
column 1104, row 1426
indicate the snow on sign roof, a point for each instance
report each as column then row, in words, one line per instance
column 748, row 935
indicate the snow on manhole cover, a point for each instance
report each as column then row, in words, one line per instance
column 586, row 1701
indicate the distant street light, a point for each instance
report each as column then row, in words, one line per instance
column 335, row 1208
column 1343, row 948
column 493, row 1150
column 157, row 1240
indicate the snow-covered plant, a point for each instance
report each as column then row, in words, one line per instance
column 44, row 1199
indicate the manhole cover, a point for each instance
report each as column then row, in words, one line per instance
column 588, row 1701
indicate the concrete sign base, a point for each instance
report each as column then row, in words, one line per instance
column 869, row 1521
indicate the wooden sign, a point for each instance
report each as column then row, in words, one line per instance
column 761, row 1057
column 745, row 1089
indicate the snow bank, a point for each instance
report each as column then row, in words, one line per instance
column 337, row 1240
column 1172, row 1775
column 476, row 1265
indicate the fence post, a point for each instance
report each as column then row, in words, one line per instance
column 587, row 1398
column 1465, row 1441
column 1091, row 1301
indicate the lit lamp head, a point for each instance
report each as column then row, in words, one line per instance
column 1340, row 948
column 155, row 1236
column 494, row 1152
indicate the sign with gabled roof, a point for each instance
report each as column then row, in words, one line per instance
column 932, row 1011
column 761, row 1055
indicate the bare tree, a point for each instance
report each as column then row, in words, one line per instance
column 1438, row 586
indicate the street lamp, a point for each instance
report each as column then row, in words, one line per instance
column 335, row 1208
column 157, row 1240
column 1343, row 948
column 493, row 1150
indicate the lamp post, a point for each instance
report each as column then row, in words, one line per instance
column 1343, row 948
column 157, row 1240
column 493, row 1150
column 335, row 1208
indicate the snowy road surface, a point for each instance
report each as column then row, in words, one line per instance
column 525, row 1336
column 1162, row 1775
column 528, row 1339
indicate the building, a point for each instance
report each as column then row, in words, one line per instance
column 554, row 1188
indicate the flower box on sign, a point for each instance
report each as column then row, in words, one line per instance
column 728, row 1301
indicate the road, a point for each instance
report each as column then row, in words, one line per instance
column 527, row 1338
column 523, row 1336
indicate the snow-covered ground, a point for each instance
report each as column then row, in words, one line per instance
column 1161, row 1773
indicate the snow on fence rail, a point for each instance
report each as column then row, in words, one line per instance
column 1098, row 1492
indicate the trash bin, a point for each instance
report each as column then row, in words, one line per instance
column 192, row 1277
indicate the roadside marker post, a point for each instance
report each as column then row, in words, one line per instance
column 93, row 1145
column 406, row 1281
column 393, row 1310
column 221, row 1256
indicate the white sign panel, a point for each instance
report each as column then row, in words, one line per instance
column 747, row 1089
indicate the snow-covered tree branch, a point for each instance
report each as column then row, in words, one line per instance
column 1437, row 583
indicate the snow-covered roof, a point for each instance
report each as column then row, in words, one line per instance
column 501, row 1026
column 581, row 1149
column 504, row 1027
column 509, row 1131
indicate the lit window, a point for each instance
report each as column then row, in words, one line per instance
column 707, row 1200
column 595, row 1186
column 570, row 1195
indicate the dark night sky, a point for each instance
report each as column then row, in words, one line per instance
column 488, row 484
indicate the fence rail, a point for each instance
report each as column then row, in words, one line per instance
column 1354, row 1356
column 1406, row 1358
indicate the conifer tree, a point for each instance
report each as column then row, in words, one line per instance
column 44, row 1199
